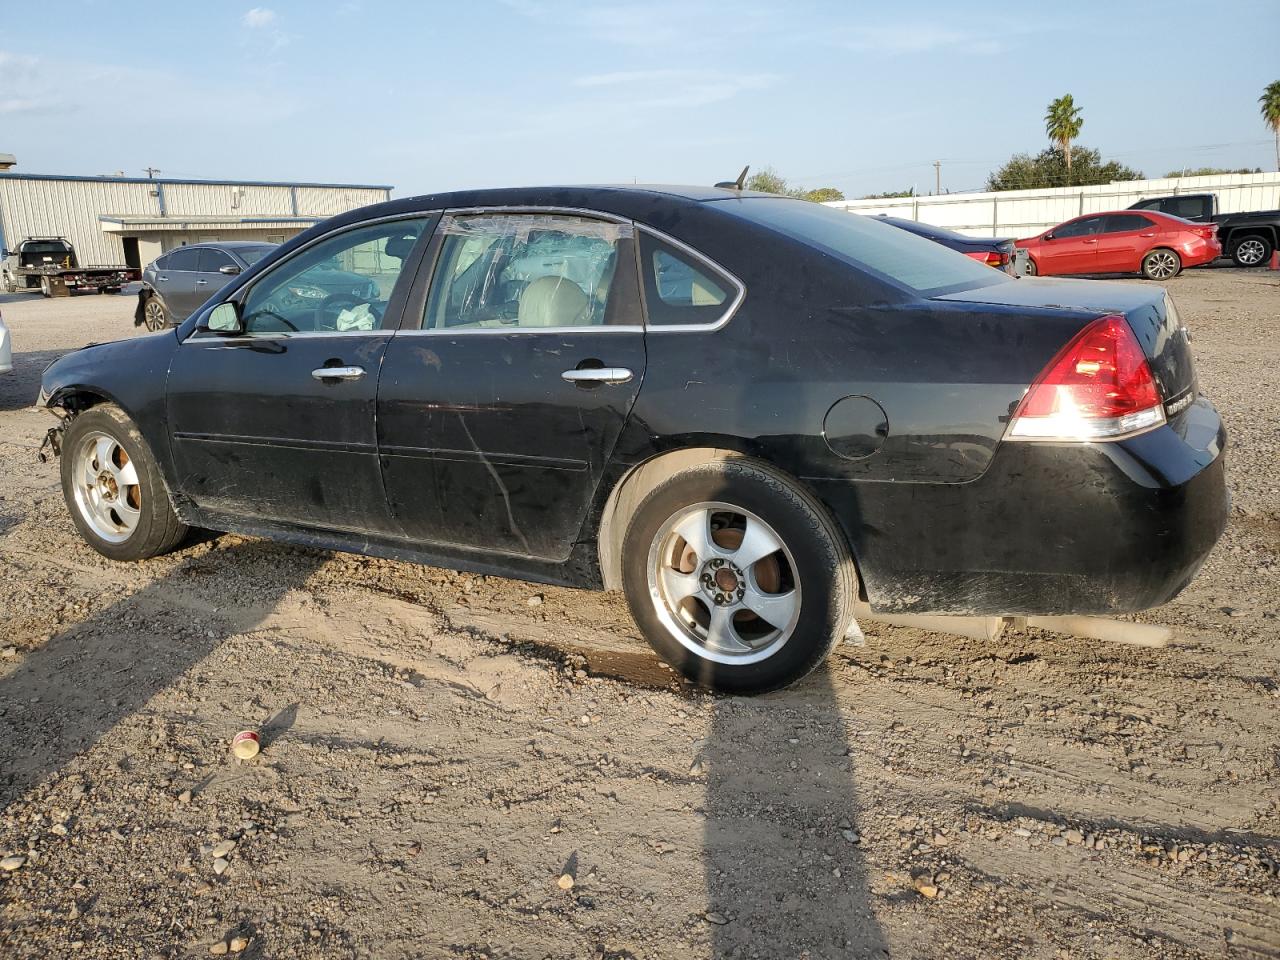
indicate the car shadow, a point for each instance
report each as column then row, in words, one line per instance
column 784, row 870
column 68, row 693
column 20, row 387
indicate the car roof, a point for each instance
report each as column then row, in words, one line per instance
column 228, row 244
column 495, row 196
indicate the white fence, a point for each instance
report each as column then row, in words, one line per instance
column 1025, row 213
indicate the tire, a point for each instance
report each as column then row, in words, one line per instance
column 8, row 285
column 1161, row 264
column 1251, row 251
column 1031, row 268
column 807, row 583
column 45, row 289
column 154, row 315
column 113, row 488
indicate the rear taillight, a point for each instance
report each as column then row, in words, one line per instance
column 992, row 258
column 1098, row 387
column 1207, row 232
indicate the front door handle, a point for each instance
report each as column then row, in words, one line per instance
column 201, row 283
column 598, row 375
column 1091, row 241
column 338, row 373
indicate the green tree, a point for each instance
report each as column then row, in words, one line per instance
column 1049, row 169
column 1270, row 101
column 890, row 194
column 1062, row 122
column 1210, row 171
column 769, row 180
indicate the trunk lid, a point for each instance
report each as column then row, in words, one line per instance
column 1149, row 311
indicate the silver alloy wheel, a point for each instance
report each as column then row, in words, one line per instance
column 723, row 583
column 1249, row 252
column 106, row 487
column 154, row 315
column 1161, row 265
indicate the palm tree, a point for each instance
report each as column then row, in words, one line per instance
column 1062, row 123
column 1270, row 101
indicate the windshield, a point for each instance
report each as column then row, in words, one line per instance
column 251, row 255
column 922, row 266
column 45, row 246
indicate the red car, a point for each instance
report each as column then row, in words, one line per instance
column 1154, row 244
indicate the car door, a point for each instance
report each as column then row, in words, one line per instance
column 275, row 421
column 1124, row 239
column 499, row 409
column 1071, row 247
column 176, row 282
column 209, row 276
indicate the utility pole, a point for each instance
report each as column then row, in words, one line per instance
column 151, row 172
column 937, row 176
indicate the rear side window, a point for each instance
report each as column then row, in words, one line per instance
column 680, row 288
column 922, row 266
column 183, row 259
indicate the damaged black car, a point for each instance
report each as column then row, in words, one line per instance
column 748, row 412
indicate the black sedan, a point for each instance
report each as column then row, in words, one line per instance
column 745, row 411
column 997, row 253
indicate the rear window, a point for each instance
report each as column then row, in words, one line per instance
column 46, row 246
column 922, row 266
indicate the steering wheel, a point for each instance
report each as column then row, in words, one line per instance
column 326, row 315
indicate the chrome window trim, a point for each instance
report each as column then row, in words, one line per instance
column 346, row 228
column 740, row 290
column 212, row 336
column 735, row 303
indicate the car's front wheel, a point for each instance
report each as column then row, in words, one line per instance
column 113, row 488
column 1251, row 251
column 737, row 576
column 154, row 314
column 1030, row 269
column 1161, row 264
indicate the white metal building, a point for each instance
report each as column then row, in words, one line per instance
column 1025, row 213
column 131, row 221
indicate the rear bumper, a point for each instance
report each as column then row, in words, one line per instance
column 1049, row 529
column 1200, row 252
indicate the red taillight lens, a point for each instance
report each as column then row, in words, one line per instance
column 1098, row 387
column 1207, row 232
column 991, row 258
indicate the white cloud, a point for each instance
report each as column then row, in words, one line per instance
column 674, row 88
column 259, row 17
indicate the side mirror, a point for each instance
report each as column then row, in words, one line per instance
column 225, row 318
column 1047, row 236
column 230, row 270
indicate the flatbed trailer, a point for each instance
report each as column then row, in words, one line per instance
column 50, row 264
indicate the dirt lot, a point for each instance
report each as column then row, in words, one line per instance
column 440, row 749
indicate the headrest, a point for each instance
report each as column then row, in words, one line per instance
column 552, row 302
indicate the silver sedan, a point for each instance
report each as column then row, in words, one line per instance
column 6, row 348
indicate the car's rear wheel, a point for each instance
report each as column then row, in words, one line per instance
column 1251, row 251
column 1161, row 264
column 737, row 576
column 154, row 314
column 113, row 488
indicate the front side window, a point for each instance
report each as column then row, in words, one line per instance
column 532, row 271
column 184, row 258
column 211, row 260
column 341, row 284
column 1078, row 228
column 679, row 288
column 1126, row 222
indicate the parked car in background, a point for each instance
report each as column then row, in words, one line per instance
column 1248, row 238
column 1154, row 244
column 6, row 348
column 1001, row 254
column 745, row 411
column 175, row 284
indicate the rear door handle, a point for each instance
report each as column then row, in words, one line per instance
column 201, row 283
column 598, row 375
column 338, row 373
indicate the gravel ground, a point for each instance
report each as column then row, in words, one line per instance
column 463, row 766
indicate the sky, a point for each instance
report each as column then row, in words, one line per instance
column 430, row 96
